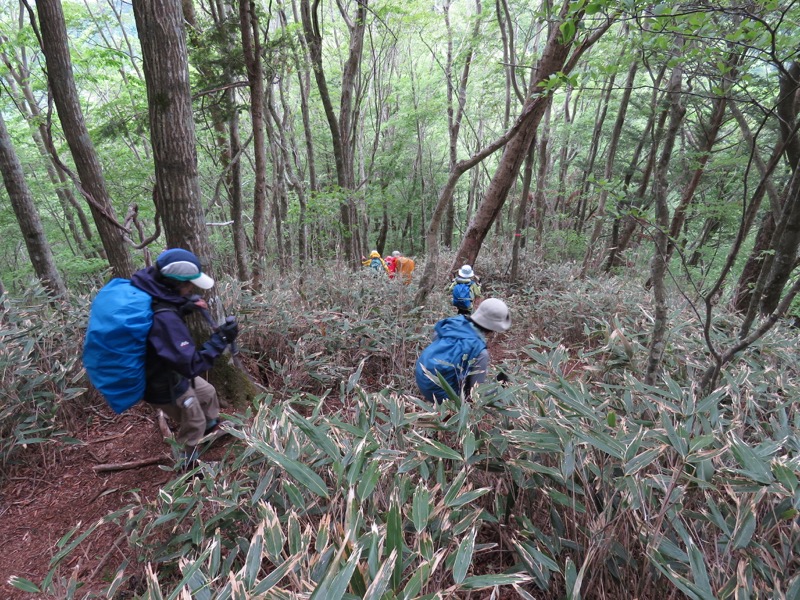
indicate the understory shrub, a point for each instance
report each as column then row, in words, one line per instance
column 572, row 479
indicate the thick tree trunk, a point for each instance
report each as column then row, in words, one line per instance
column 27, row 216
column 166, row 67
column 90, row 173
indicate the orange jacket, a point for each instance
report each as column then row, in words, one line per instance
column 405, row 267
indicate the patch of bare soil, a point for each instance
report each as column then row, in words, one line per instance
column 54, row 486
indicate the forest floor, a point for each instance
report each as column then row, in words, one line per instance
column 54, row 487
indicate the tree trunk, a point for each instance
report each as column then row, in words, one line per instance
column 343, row 127
column 92, row 184
column 609, row 169
column 522, row 210
column 658, row 265
column 251, row 48
column 553, row 60
column 623, row 228
column 786, row 244
column 27, row 216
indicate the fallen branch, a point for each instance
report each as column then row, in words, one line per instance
column 135, row 464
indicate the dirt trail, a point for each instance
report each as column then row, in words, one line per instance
column 53, row 487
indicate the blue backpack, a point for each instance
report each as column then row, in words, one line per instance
column 462, row 295
column 376, row 265
column 449, row 355
column 116, row 341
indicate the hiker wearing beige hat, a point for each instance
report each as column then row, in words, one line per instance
column 458, row 353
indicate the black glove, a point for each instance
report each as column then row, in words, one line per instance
column 229, row 330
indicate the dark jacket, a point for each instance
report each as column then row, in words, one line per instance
column 172, row 357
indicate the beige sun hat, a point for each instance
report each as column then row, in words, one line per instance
column 493, row 314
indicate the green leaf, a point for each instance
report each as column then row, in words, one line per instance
column 464, row 556
column 395, row 541
column 480, row 582
column 24, row 584
column 252, row 563
column 436, row 449
column 752, row 465
column 421, row 508
column 299, row 471
column 382, row 578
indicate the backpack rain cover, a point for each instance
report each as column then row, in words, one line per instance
column 116, row 341
column 462, row 295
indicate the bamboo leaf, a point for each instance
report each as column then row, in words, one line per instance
column 304, row 475
column 394, row 540
column 464, row 556
column 480, row 582
column 382, row 578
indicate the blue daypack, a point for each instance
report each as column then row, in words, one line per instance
column 116, row 341
column 462, row 295
column 449, row 355
column 376, row 265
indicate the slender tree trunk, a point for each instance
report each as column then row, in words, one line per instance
column 522, row 210
column 553, row 59
column 785, row 245
column 27, row 216
column 658, row 265
column 90, row 173
column 600, row 119
column 609, row 169
column 343, row 127
column 251, row 47
column 623, row 229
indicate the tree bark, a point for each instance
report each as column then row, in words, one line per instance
column 172, row 133
column 786, row 244
column 92, row 183
column 27, row 216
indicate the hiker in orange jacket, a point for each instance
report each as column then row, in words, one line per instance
column 404, row 267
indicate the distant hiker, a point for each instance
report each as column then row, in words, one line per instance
column 391, row 263
column 376, row 263
column 465, row 288
column 458, row 352
column 404, row 267
column 174, row 363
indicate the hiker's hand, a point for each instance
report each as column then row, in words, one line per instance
column 229, row 330
column 201, row 304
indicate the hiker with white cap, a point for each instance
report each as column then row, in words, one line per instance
column 465, row 289
column 458, row 352
column 173, row 364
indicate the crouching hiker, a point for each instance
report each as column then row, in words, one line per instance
column 173, row 363
column 458, row 352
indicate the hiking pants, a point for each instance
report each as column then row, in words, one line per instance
column 193, row 409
